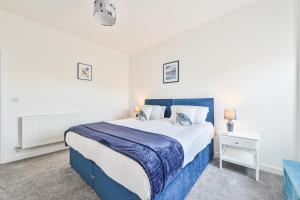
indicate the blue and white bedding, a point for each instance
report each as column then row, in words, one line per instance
column 164, row 154
column 130, row 173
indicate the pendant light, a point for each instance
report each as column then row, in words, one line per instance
column 105, row 12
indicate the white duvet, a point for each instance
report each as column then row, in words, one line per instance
column 128, row 172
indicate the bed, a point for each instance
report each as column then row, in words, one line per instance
column 113, row 175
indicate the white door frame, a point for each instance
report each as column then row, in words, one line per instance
column 297, row 24
column 1, row 106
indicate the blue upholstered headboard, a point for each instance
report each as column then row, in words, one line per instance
column 207, row 102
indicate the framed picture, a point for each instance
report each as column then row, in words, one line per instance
column 84, row 71
column 171, row 72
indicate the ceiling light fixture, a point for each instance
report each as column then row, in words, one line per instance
column 105, row 12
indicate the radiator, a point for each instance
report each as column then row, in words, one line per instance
column 41, row 130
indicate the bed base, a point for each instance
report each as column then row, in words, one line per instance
column 108, row 189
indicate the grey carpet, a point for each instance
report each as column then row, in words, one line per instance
column 49, row 177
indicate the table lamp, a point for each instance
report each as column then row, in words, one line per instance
column 230, row 114
column 137, row 109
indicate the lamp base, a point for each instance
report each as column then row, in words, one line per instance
column 230, row 126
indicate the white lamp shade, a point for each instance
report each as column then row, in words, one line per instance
column 230, row 114
column 137, row 109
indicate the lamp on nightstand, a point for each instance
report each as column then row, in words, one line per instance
column 137, row 109
column 230, row 114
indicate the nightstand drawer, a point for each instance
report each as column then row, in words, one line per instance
column 238, row 142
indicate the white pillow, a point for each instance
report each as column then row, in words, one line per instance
column 174, row 111
column 163, row 110
column 200, row 115
column 157, row 112
column 185, row 116
column 145, row 113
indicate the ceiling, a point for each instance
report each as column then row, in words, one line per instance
column 140, row 23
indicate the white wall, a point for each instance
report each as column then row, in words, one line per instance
column 39, row 66
column 245, row 60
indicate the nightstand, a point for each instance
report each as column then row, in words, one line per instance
column 240, row 148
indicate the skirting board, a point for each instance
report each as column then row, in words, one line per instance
column 40, row 151
column 264, row 167
column 24, row 155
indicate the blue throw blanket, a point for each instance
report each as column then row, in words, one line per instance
column 159, row 155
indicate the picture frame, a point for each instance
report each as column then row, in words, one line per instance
column 84, row 72
column 171, row 72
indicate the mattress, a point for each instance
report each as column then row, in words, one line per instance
column 128, row 172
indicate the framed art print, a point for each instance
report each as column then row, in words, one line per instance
column 84, row 71
column 171, row 72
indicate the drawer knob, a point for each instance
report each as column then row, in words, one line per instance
column 236, row 142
